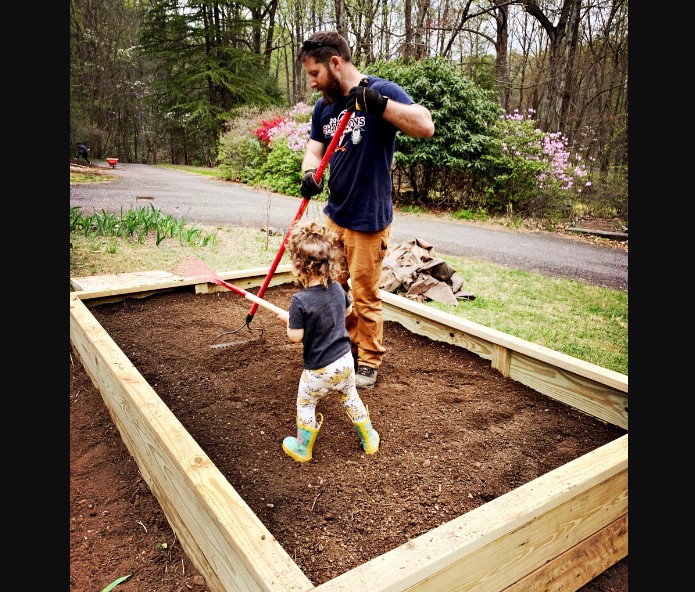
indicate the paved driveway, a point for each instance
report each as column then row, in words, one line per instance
column 200, row 199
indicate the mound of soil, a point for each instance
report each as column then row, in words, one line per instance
column 455, row 435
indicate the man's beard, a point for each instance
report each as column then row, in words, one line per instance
column 332, row 92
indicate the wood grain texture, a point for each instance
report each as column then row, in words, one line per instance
column 595, row 390
column 226, row 541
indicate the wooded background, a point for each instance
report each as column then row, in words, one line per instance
column 157, row 80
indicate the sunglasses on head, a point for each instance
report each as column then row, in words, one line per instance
column 310, row 45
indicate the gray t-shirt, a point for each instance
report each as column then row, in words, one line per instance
column 321, row 313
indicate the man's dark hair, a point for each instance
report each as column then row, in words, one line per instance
column 322, row 45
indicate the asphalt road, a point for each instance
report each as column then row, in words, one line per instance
column 207, row 201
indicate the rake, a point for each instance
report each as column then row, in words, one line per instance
column 197, row 268
column 193, row 267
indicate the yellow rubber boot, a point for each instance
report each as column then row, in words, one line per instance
column 369, row 437
column 300, row 448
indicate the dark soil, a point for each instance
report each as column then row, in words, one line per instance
column 455, row 435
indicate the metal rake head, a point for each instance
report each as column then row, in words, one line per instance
column 227, row 344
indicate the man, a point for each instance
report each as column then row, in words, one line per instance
column 359, row 208
column 83, row 151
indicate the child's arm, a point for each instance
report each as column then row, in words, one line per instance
column 294, row 335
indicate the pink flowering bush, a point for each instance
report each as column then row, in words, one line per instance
column 265, row 148
column 287, row 140
column 294, row 128
column 534, row 172
column 265, row 131
column 241, row 152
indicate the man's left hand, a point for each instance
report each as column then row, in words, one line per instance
column 365, row 99
column 310, row 187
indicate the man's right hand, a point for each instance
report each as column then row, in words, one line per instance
column 309, row 186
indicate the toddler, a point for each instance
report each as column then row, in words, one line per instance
column 316, row 318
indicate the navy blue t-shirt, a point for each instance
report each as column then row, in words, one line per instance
column 359, row 183
column 321, row 313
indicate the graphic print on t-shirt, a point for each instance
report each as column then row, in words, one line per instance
column 355, row 128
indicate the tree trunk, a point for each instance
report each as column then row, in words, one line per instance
column 501, row 48
column 558, row 81
column 407, row 51
column 341, row 18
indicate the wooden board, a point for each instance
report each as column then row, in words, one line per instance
column 115, row 282
column 595, row 390
column 222, row 536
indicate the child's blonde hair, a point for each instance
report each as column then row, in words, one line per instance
column 314, row 253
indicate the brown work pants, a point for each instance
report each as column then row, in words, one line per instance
column 365, row 252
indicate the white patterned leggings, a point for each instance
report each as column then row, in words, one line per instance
column 338, row 377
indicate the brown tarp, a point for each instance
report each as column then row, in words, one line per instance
column 414, row 270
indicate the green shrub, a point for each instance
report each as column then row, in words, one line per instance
column 281, row 171
column 463, row 114
column 607, row 197
column 240, row 154
column 533, row 172
column 516, row 166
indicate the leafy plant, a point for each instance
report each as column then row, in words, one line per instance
column 76, row 218
column 270, row 155
column 463, row 114
column 209, row 240
column 129, row 224
column 137, row 224
column 533, row 171
column 190, row 235
column 281, row 171
column 105, row 224
column 115, row 583
column 240, row 153
column 286, row 140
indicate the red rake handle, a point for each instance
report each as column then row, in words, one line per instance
column 332, row 146
column 305, row 202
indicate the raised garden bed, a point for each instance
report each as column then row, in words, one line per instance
column 564, row 526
